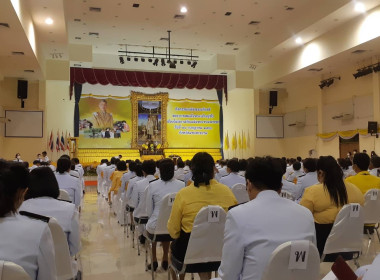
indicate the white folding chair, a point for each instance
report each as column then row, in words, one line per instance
column 293, row 260
column 12, row 271
column 371, row 210
column 205, row 243
column 240, row 192
column 347, row 233
column 287, row 195
column 64, row 195
column 161, row 233
column 63, row 260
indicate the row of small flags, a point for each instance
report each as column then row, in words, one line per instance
column 61, row 143
column 240, row 141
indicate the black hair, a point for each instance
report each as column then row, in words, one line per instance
column 180, row 163
column 65, row 156
column 233, row 165
column 103, row 161
column 42, row 183
column 158, row 162
column 63, row 164
column 265, row 173
column 297, row 166
column 362, row 161
column 373, row 154
column 188, row 162
column 75, row 160
column 13, row 177
column 283, row 162
column 149, row 167
column 310, row 164
column 202, row 167
column 36, row 162
column 117, row 160
column 132, row 166
column 375, row 161
column 121, row 165
column 299, row 159
column 138, row 170
column 43, row 163
column 166, row 169
column 333, row 180
column 343, row 163
column 25, row 164
column 243, row 164
column 222, row 162
column 44, row 152
column 18, row 154
column 113, row 160
column 137, row 161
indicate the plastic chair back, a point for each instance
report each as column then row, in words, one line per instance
column 371, row 206
column 240, row 192
column 62, row 257
column 207, row 233
column 12, row 271
column 347, row 231
column 286, row 194
column 64, row 195
column 164, row 214
column 293, row 260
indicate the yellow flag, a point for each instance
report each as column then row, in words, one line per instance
column 239, row 141
column 248, row 141
column 233, row 142
column 244, row 144
column 226, row 142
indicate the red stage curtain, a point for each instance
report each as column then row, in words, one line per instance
column 146, row 79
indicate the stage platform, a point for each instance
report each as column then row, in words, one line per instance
column 94, row 156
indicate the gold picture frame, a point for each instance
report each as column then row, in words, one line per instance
column 163, row 97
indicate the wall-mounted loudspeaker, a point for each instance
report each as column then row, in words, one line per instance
column 372, row 127
column 272, row 98
column 22, row 89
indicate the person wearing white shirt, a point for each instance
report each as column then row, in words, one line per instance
column 67, row 182
column 286, row 185
column 139, row 194
column 107, row 176
column 99, row 171
column 233, row 177
column 18, row 158
column 296, row 173
column 222, row 171
column 155, row 193
column 45, row 158
column 42, row 198
column 36, row 164
column 252, row 229
column 374, row 166
column 127, row 176
column 289, row 168
column 310, row 178
column 242, row 167
column 187, row 166
column 24, row 241
column 179, row 174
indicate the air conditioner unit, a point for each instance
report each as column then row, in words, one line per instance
column 297, row 124
column 343, row 116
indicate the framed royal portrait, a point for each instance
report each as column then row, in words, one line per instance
column 149, row 119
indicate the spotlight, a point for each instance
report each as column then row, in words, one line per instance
column 329, row 82
column 188, row 62
column 367, row 71
column 163, row 62
column 376, row 68
column 142, row 59
column 128, row 59
column 150, row 60
column 136, row 59
column 121, row 60
column 155, row 63
column 181, row 62
column 322, row 85
column 363, row 72
column 194, row 64
column 172, row 65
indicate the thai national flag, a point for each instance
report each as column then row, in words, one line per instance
column 57, row 142
column 62, row 143
column 51, row 142
column 67, row 142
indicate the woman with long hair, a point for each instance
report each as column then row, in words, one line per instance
column 325, row 200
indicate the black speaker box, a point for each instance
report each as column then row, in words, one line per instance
column 372, row 127
column 273, row 98
column 22, row 89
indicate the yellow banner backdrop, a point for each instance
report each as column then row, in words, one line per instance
column 193, row 124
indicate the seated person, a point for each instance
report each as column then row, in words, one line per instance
column 41, row 198
column 180, row 172
column 128, row 175
column 233, row 177
column 24, row 241
column 374, row 166
column 252, row 230
column 155, row 193
column 202, row 192
column 325, row 199
column 222, row 171
column 293, row 177
column 121, row 169
column 309, row 178
column 36, row 163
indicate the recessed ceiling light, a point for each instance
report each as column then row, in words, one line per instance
column 183, row 10
column 49, row 21
column 299, row 40
column 360, row 7
column 135, row 5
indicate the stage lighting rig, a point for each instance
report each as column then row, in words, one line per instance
column 328, row 82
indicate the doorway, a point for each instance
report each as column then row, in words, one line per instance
column 348, row 145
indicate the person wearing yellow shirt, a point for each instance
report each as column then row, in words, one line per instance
column 204, row 191
column 363, row 180
column 116, row 176
column 325, row 200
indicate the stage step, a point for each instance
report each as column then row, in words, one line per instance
column 186, row 154
column 94, row 156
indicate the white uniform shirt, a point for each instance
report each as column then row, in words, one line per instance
column 131, row 185
column 307, row 180
column 232, row 179
column 139, row 196
column 28, row 243
column 290, row 187
column 33, row 167
column 294, row 175
column 52, row 167
column 188, row 177
column 289, row 170
column 155, row 193
column 65, row 214
column 254, row 229
column 45, row 159
column 71, row 185
column 221, row 173
column 180, row 174
column 374, row 171
column 125, row 179
column 99, row 169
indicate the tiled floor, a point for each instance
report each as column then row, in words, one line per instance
column 108, row 254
